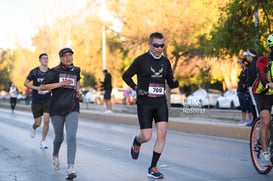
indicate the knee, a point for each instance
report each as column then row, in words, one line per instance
column 146, row 137
column 59, row 139
column 161, row 134
column 46, row 121
column 70, row 139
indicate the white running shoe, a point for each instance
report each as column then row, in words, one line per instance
column 71, row 174
column 43, row 145
column 32, row 132
column 266, row 161
column 56, row 163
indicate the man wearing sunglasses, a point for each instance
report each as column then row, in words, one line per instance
column 152, row 70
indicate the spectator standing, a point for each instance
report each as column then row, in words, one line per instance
column 13, row 93
column 152, row 70
column 40, row 105
column 251, row 57
column 63, row 81
column 243, row 94
column 107, row 87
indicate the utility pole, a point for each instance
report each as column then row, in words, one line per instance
column 256, row 24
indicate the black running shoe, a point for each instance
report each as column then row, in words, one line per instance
column 154, row 173
column 135, row 149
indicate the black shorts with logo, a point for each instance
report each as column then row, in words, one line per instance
column 149, row 112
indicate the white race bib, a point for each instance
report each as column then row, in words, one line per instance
column 72, row 78
column 43, row 92
column 156, row 90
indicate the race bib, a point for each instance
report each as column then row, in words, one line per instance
column 72, row 78
column 43, row 92
column 156, row 90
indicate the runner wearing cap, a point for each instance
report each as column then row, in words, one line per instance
column 63, row 81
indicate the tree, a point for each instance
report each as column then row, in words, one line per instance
column 236, row 31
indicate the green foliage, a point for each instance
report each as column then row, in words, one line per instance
column 88, row 80
column 5, row 70
column 236, row 30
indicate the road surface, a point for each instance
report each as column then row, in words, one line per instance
column 103, row 154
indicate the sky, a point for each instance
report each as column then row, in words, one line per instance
column 21, row 19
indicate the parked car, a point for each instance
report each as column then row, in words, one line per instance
column 203, row 98
column 130, row 96
column 99, row 97
column 118, row 96
column 176, row 98
column 4, row 95
column 89, row 96
column 228, row 100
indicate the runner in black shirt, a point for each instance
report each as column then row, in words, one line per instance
column 40, row 99
column 152, row 70
column 63, row 80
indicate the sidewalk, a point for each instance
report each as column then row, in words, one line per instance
column 212, row 122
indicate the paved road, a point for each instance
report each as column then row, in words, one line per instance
column 213, row 122
column 102, row 154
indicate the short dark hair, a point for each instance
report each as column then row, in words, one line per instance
column 42, row 54
column 155, row 35
column 105, row 71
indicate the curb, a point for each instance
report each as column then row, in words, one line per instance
column 190, row 125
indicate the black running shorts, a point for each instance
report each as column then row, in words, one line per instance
column 149, row 112
column 264, row 102
column 107, row 94
column 39, row 109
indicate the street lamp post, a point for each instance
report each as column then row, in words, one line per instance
column 103, row 47
column 256, row 24
column 102, row 15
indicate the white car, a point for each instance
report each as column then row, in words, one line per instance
column 228, row 100
column 118, row 96
column 177, row 99
column 203, row 98
column 89, row 96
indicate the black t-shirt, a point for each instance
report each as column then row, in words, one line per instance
column 242, row 86
column 251, row 73
column 37, row 76
column 64, row 99
column 107, row 82
column 151, row 76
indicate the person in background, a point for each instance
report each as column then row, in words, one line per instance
column 107, row 87
column 243, row 94
column 64, row 83
column 263, row 93
column 251, row 57
column 28, row 94
column 13, row 93
column 40, row 99
column 153, row 70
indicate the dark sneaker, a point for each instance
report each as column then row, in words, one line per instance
column 154, row 173
column 135, row 149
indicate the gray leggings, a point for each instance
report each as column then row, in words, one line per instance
column 71, row 124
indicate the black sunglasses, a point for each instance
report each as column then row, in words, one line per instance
column 155, row 45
